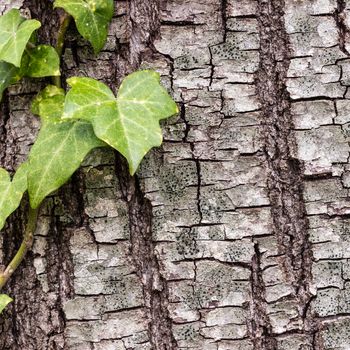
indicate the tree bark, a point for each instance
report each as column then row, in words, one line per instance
column 234, row 234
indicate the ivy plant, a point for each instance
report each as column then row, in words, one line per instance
column 20, row 56
column 73, row 122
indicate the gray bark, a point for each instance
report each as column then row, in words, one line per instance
column 234, row 234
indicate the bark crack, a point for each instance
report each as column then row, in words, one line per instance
column 144, row 21
column 224, row 17
column 285, row 180
column 145, row 260
column 343, row 30
column 5, row 116
column 259, row 327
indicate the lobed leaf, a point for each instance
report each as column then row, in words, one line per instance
column 91, row 18
column 40, row 61
column 130, row 123
column 57, row 153
column 60, row 147
column 4, row 301
column 15, row 32
column 9, row 74
column 11, row 191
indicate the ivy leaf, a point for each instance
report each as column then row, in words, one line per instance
column 57, row 153
column 15, row 32
column 48, row 103
column 130, row 123
column 88, row 99
column 40, row 61
column 60, row 147
column 9, row 74
column 11, row 191
column 91, row 18
column 4, row 301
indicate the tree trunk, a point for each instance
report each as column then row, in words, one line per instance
column 234, row 234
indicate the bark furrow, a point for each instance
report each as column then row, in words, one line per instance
column 143, row 255
column 144, row 25
column 285, row 178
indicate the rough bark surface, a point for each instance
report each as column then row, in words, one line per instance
column 234, row 234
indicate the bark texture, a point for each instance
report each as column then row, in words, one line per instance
column 234, row 234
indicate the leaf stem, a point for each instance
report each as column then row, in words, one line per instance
column 23, row 249
column 65, row 20
column 30, row 45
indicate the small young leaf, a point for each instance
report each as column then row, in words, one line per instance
column 91, row 18
column 11, row 192
column 40, row 61
column 56, row 155
column 48, row 103
column 9, row 74
column 15, row 32
column 4, row 301
column 130, row 123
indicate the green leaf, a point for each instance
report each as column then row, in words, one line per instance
column 9, row 74
column 40, row 61
column 60, row 147
column 91, row 18
column 4, row 301
column 11, row 191
column 15, row 32
column 129, row 123
column 56, row 155
column 48, row 103
column 88, row 99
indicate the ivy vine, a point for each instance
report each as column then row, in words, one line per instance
column 73, row 123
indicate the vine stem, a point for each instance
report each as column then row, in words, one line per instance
column 65, row 20
column 26, row 245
